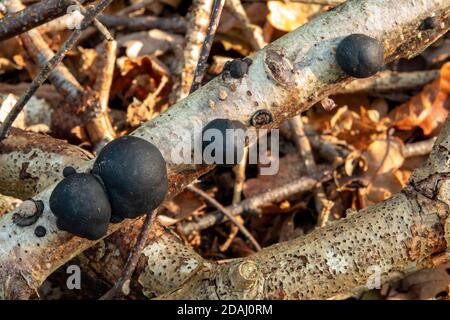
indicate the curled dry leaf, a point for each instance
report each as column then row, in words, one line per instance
column 424, row 284
column 384, row 158
column 427, row 110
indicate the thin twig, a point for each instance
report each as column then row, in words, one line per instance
column 174, row 24
column 103, row 30
column 390, row 81
column 91, row 13
column 215, row 17
column 24, row 19
column 96, row 118
column 227, row 213
column 323, row 205
column 122, row 285
column 251, row 204
column 198, row 20
column 239, row 172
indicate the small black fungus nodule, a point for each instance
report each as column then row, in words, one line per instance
column 237, row 68
column 68, row 171
column 81, row 206
column 223, row 142
column 429, row 23
column 134, row 174
column 360, row 56
column 40, row 231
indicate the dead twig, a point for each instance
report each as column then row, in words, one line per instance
column 123, row 284
column 323, row 205
column 134, row 7
column 201, row 65
column 174, row 24
column 421, row 148
column 252, row 32
column 227, row 213
column 198, row 19
column 96, row 118
column 251, row 204
column 391, row 81
column 15, row 23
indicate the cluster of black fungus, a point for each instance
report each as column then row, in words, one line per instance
column 129, row 179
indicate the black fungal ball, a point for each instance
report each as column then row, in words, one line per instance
column 429, row 23
column 237, row 68
column 81, row 206
column 360, row 56
column 68, row 171
column 134, row 174
column 233, row 143
column 40, row 231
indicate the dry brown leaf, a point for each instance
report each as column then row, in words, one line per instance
column 383, row 159
column 287, row 16
column 424, row 284
column 427, row 110
column 183, row 205
column 358, row 129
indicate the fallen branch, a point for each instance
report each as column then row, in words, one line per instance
column 286, row 77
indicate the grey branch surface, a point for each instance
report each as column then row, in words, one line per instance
column 286, row 77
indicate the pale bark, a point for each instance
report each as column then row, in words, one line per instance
column 286, row 77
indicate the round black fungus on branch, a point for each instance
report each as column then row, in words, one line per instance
column 81, row 206
column 230, row 141
column 134, row 174
column 429, row 23
column 360, row 56
column 237, row 68
column 68, row 171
